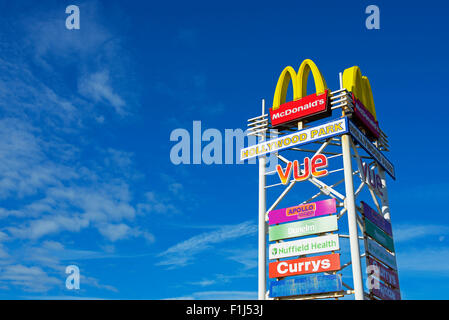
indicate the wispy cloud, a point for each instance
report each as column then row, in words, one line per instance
column 97, row 87
column 407, row 232
column 28, row 278
column 246, row 257
column 427, row 260
column 121, row 231
column 49, row 188
column 184, row 252
column 218, row 295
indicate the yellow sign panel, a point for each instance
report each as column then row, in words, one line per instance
column 359, row 85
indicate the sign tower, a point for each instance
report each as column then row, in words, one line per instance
column 330, row 150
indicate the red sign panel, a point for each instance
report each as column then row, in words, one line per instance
column 383, row 273
column 365, row 117
column 329, row 262
column 311, row 107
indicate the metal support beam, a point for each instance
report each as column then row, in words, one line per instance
column 352, row 219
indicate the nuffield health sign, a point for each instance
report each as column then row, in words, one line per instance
column 304, row 246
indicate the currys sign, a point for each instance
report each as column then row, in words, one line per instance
column 302, row 211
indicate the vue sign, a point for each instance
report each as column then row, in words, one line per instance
column 372, row 178
column 312, row 167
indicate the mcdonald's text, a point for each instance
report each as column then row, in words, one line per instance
column 306, row 107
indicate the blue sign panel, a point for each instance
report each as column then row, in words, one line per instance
column 307, row 284
column 371, row 149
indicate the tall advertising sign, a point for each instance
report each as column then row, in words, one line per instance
column 304, row 261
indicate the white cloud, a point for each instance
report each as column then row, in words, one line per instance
column 28, row 278
column 184, row 252
column 407, row 232
column 121, row 231
column 424, row 260
column 203, row 282
column 218, row 295
column 115, row 232
column 247, row 257
column 24, row 166
column 97, row 87
column 35, row 229
column 48, row 185
column 48, row 37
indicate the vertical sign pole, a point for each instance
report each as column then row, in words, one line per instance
column 351, row 212
column 352, row 219
column 262, row 223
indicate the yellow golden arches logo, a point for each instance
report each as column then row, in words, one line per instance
column 299, row 82
column 359, row 85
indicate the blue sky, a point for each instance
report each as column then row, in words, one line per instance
column 86, row 116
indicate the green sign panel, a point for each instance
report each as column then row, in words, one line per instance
column 377, row 234
column 303, row 228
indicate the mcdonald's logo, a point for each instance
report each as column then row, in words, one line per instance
column 364, row 109
column 303, row 106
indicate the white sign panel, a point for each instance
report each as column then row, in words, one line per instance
column 304, row 246
column 304, row 136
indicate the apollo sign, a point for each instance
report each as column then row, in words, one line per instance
column 302, row 211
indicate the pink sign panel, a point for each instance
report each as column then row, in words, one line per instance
column 303, row 211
